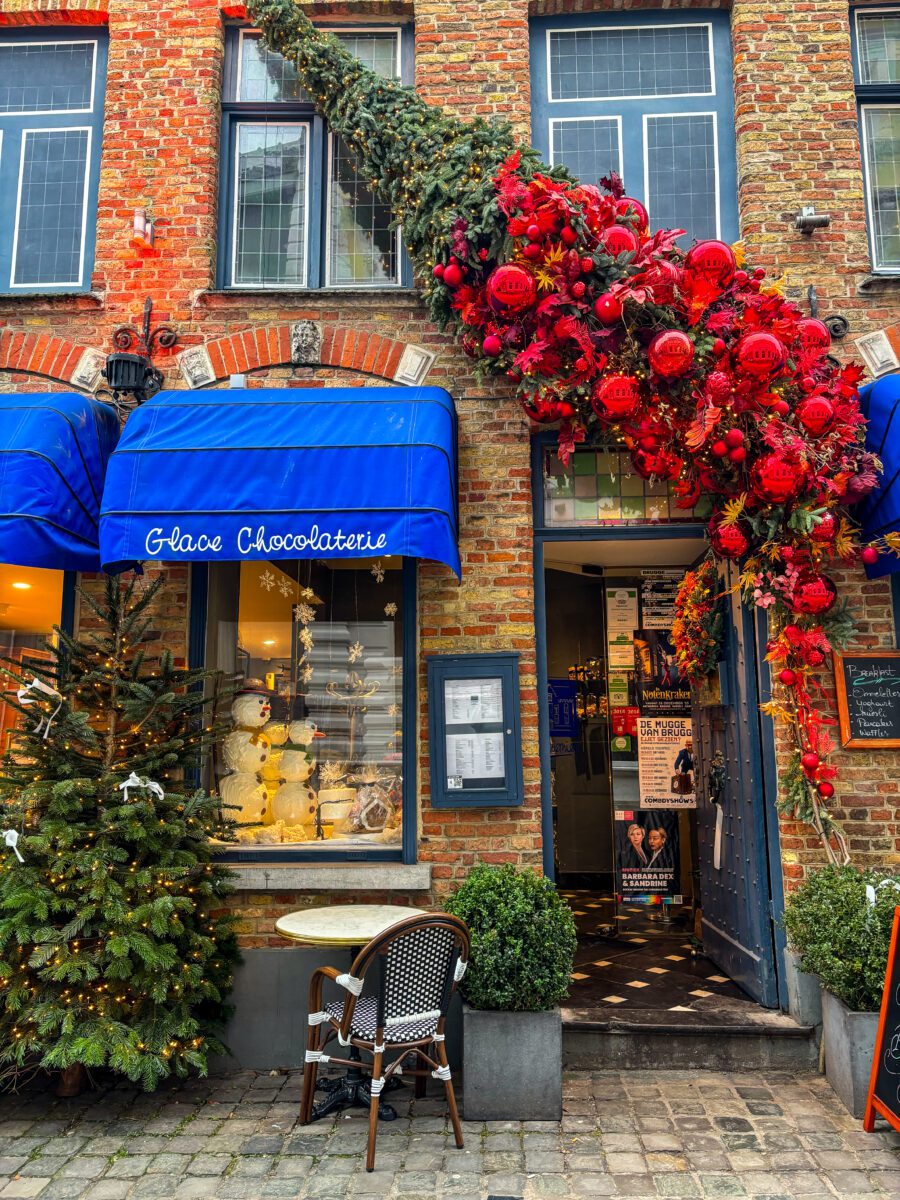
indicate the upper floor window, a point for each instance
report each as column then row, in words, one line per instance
column 294, row 211
column 877, row 67
column 51, row 119
column 647, row 96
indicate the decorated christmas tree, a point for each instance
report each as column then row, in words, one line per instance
column 115, row 947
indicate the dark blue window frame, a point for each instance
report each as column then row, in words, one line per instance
column 871, row 95
column 12, row 130
column 406, row 852
column 631, row 111
column 236, row 111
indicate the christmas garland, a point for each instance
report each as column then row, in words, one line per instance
column 691, row 360
column 697, row 628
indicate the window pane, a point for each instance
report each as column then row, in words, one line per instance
column 590, row 149
column 264, row 75
column 879, row 47
column 51, row 207
column 681, row 174
column 270, row 207
column 30, row 605
column 882, row 144
column 362, row 247
column 629, row 62
column 37, row 77
column 600, row 487
column 314, row 755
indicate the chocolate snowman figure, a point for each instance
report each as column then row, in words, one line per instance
column 246, row 750
column 295, row 799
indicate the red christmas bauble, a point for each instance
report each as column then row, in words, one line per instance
column 777, row 478
column 547, row 412
column 608, row 308
column 438, row 270
column 810, row 760
column 671, row 353
column 812, row 593
column 660, row 464
column 815, row 414
column 510, row 289
column 813, row 336
column 734, row 437
column 869, row 555
column 620, row 239
column 738, row 454
column 532, row 252
column 761, row 354
column 453, row 275
column 616, row 396
column 787, row 677
column 492, row 346
column 825, row 789
column 823, row 531
column 728, row 541
column 628, row 206
column 719, row 448
column 714, row 261
column 663, row 278
column 568, row 236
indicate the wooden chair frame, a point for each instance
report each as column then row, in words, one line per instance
column 430, row 1053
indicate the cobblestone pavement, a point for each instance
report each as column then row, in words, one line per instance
column 645, row 1133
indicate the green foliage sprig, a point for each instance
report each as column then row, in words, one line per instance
column 523, row 939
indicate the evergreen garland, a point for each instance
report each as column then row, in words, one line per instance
column 115, row 947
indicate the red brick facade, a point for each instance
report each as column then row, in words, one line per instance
column 797, row 143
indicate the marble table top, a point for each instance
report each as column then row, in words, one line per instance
column 342, row 924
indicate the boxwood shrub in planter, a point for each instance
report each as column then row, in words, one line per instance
column 523, row 944
column 843, row 939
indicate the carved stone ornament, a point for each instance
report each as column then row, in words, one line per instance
column 196, row 367
column 306, row 343
column 87, row 374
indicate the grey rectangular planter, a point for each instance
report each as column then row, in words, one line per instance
column 849, row 1047
column 512, row 1065
column 804, row 991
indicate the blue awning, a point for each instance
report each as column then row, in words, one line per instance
column 54, row 447
column 211, row 476
column 879, row 513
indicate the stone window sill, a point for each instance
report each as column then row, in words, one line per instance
column 873, row 285
column 332, row 877
column 70, row 300
column 303, row 299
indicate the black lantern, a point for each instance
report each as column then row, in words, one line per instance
column 133, row 374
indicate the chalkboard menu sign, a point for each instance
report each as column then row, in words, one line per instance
column 868, row 695
column 884, row 1082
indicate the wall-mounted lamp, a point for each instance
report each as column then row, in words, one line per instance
column 807, row 220
column 133, row 374
column 142, row 233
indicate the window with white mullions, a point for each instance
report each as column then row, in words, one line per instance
column 650, row 96
column 876, row 45
column 49, row 162
column 336, row 231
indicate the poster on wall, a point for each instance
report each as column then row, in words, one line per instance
column 661, row 690
column 666, row 762
column 648, row 866
column 621, row 622
column 658, row 591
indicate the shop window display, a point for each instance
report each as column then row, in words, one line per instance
column 30, row 605
column 313, row 756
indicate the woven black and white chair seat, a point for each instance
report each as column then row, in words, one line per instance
column 365, row 1018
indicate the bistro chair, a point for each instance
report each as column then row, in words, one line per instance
column 413, row 968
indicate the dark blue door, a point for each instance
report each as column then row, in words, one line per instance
column 734, row 883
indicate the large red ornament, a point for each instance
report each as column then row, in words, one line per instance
column 813, row 336
column 777, row 478
column 616, row 396
column 671, row 353
column 548, row 411
column 662, row 278
column 510, row 289
column 714, row 261
column 620, row 239
column 453, row 275
column 660, row 464
column 628, row 206
column 812, row 593
column 760, row 354
column 728, row 541
column 824, row 530
column 815, row 414
column 608, row 308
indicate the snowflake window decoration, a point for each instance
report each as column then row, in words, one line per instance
column 378, row 571
column 267, row 580
column 390, row 610
column 355, row 652
column 304, row 613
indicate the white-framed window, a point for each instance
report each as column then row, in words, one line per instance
column 648, row 96
column 876, row 38
column 51, row 116
column 295, row 212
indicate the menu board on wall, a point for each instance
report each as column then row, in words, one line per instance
column 473, row 743
column 868, row 695
column 621, row 622
column 666, row 762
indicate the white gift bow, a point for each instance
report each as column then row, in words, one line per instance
column 870, row 891
column 38, row 685
column 11, row 838
column 140, row 781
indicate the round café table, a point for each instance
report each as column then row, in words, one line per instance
column 350, row 926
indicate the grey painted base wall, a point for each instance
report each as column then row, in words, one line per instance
column 271, row 988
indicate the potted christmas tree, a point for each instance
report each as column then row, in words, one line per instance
column 523, row 944
column 839, row 922
column 116, row 950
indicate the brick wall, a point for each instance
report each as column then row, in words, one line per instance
column 797, row 144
